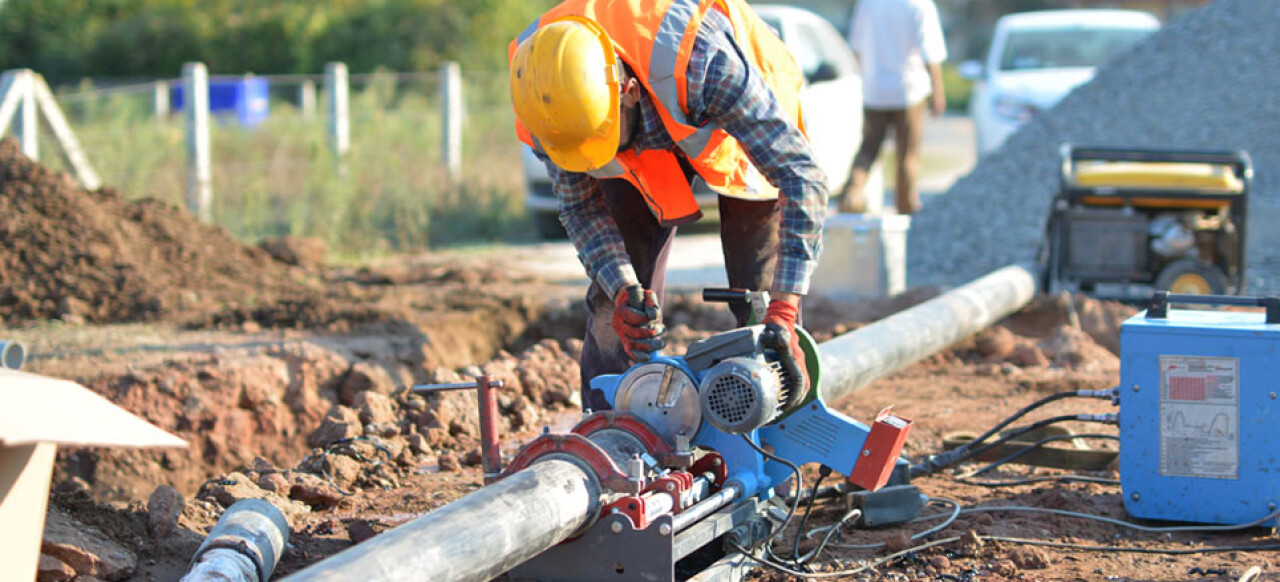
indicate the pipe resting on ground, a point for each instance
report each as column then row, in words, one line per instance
column 244, row 546
column 500, row 526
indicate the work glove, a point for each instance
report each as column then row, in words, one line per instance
column 638, row 320
column 780, row 334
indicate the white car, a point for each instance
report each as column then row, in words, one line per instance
column 1036, row 58
column 831, row 102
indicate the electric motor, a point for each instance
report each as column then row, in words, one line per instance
column 742, row 394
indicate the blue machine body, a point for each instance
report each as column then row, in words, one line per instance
column 1199, row 416
column 812, row 433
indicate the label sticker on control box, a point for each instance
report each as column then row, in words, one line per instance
column 1199, row 416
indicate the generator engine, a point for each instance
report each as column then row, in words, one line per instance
column 1148, row 220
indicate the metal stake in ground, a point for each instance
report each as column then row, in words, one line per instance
column 490, row 455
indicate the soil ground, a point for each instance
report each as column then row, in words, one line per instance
column 290, row 383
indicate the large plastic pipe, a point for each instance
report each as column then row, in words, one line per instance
column 500, row 526
column 477, row 537
column 12, row 354
column 244, row 546
column 859, row 357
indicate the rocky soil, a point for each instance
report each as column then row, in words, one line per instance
column 292, row 382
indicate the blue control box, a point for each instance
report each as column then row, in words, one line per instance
column 1199, row 415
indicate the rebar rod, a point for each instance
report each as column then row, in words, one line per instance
column 706, row 507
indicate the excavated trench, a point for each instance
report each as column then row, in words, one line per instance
column 290, row 379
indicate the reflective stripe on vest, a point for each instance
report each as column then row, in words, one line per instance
column 662, row 72
column 655, row 38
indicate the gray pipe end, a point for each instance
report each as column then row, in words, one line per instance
column 12, row 354
column 253, row 527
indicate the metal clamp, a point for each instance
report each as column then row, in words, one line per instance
column 631, row 424
column 577, row 447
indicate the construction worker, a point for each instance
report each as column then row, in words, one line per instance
column 629, row 102
column 900, row 49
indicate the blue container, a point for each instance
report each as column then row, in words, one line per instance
column 246, row 99
column 1199, row 416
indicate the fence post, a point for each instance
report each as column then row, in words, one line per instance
column 307, row 99
column 160, row 97
column 66, row 138
column 13, row 85
column 195, row 94
column 451, row 111
column 335, row 84
column 27, row 126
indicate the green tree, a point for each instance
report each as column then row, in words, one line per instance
column 69, row 39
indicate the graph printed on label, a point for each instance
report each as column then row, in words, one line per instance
column 1200, row 414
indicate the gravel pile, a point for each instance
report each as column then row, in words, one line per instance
column 1208, row 80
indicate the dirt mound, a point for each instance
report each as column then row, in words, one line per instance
column 92, row 256
column 280, row 401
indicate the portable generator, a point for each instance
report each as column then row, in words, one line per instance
column 1126, row 222
column 1199, row 414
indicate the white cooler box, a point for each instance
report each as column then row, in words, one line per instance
column 863, row 257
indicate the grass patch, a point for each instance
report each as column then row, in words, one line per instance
column 957, row 88
column 391, row 194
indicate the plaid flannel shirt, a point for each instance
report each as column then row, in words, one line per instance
column 726, row 90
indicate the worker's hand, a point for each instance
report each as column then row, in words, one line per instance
column 638, row 320
column 780, row 323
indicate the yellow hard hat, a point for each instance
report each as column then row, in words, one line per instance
column 564, row 85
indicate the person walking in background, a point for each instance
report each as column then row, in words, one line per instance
column 900, row 49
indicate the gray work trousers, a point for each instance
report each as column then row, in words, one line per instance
column 748, row 236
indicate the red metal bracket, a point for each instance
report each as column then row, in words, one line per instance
column 578, row 447
column 655, row 444
column 485, row 386
column 674, row 484
column 631, row 506
column 711, row 463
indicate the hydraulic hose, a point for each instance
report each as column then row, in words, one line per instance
column 939, row 462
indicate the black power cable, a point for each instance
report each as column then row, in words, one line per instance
column 943, row 460
column 969, row 478
column 795, row 503
column 979, row 445
column 823, row 472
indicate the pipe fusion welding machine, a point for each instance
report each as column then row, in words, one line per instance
column 694, row 449
column 1199, row 411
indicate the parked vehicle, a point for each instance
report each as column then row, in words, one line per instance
column 831, row 102
column 1036, row 58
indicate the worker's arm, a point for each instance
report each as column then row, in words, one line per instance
column 592, row 230
column 724, row 89
column 933, row 49
column 938, row 100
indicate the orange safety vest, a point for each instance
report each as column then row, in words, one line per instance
column 655, row 38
